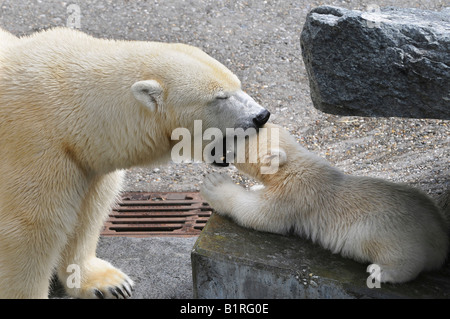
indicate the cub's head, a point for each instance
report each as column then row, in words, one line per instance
column 262, row 156
column 196, row 92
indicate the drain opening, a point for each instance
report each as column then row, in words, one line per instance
column 158, row 214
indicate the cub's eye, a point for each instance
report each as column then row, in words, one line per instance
column 222, row 97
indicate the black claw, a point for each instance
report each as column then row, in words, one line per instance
column 121, row 292
column 130, row 285
column 113, row 291
column 99, row 294
column 126, row 289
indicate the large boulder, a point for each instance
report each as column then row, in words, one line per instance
column 381, row 62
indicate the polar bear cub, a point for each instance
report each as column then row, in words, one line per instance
column 370, row 220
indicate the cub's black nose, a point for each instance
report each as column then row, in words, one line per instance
column 261, row 118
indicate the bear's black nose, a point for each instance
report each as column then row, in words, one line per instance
column 261, row 118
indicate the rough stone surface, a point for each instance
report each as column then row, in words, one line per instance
column 229, row 261
column 382, row 62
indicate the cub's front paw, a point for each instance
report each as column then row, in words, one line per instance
column 99, row 279
column 218, row 190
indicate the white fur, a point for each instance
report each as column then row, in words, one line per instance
column 74, row 111
column 370, row 220
column 148, row 93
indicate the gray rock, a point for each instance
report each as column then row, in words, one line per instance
column 229, row 261
column 382, row 62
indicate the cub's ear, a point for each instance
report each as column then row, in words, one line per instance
column 148, row 93
column 275, row 156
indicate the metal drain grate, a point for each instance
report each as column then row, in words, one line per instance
column 158, row 214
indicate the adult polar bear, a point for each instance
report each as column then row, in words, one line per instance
column 74, row 110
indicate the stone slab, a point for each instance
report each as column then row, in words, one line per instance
column 229, row 261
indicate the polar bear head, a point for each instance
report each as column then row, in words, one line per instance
column 188, row 85
column 189, row 82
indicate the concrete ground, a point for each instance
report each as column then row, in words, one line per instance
column 259, row 41
column 159, row 266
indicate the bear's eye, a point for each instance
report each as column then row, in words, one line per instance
column 222, row 97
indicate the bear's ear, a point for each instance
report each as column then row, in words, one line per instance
column 277, row 154
column 148, row 93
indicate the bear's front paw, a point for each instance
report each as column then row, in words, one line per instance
column 99, row 279
column 217, row 190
